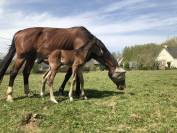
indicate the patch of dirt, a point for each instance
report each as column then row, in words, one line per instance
column 135, row 117
column 30, row 122
column 119, row 128
column 111, row 103
column 140, row 130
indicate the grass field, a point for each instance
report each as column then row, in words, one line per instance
column 149, row 104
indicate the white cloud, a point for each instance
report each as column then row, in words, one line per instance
column 2, row 2
column 6, row 2
column 118, row 42
column 121, row 4
column 111, row 34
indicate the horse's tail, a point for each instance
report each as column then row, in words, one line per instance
column 7, row 59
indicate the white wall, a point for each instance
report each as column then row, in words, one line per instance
column 174, row 63
column 166, row 57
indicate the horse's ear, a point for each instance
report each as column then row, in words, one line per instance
column 119, row 61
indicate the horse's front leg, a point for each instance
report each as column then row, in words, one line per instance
column 81, row 79
column 67, row 77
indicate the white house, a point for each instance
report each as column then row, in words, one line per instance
column 167, row 57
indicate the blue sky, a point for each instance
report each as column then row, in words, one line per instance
column 118, row 23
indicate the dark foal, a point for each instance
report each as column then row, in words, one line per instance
column 74, row 58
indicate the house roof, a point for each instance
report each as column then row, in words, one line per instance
column 172, row 51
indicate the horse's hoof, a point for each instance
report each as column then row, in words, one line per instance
column 85, row 98
column 27, row 95
column 60, row 93
column 42, row 94
column 53, row 100
column 71, row 99
column 9, row 99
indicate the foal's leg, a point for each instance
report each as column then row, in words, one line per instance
column 80, row 74
column 44, row 80
column 18, row 63
column 51, row 77
column 26, row 72
column 74, row 71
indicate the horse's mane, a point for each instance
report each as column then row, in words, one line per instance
column 106, row 51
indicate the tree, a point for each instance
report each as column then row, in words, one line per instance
column 144, row 55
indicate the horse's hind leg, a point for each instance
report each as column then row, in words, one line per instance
column 18, row 63
column 26, row 72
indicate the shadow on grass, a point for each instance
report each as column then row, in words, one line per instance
column 37, row 96
column 90, row 93
column 31, row 96
column 94, row 93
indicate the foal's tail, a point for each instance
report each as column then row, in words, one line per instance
column 7, row 60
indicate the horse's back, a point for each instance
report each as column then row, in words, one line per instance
column 43, row 40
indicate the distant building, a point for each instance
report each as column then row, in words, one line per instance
column 43, row 67
column 133, row 64
column 167, row 58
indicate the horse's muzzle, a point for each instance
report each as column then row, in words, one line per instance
column 121, row 85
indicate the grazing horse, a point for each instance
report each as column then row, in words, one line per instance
column 73, row 58
column 30, row 43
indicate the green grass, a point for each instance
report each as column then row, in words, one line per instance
column 149, row 104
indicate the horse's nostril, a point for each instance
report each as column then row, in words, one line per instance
column 121, row 87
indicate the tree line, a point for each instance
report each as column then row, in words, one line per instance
column 144, row 56
column 135, row 57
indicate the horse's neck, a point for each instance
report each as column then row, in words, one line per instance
column 106, row 59
column 109, row 63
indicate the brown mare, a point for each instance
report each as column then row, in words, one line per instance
column 73, row 58
column 31, row 43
